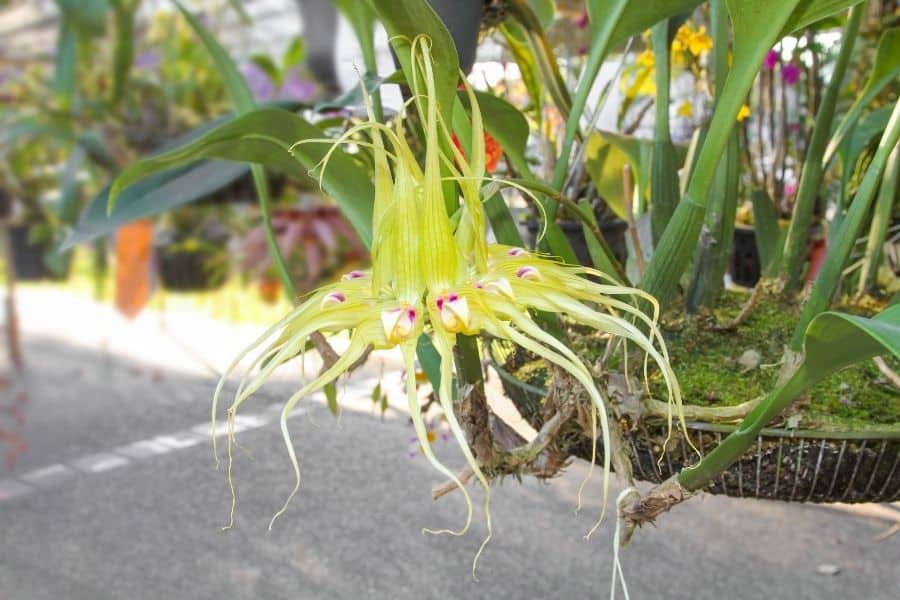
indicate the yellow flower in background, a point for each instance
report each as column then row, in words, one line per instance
column 645, row 59
column 685, row 109
column 694, row 41
column 743, row 113
column 700, row 42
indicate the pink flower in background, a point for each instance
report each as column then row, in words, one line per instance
column 582, row 21
column 259, row 82
column 297, row 88
column 790, row 73
column 790, row 189
column 771, row 59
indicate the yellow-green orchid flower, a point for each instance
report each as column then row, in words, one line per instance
column 433, row 278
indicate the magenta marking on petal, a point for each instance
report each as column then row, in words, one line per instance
column 354, row 275
column 453, row 297
column 439, row 303
column 515, row 252
column 411, row 314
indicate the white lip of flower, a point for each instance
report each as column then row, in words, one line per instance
column 333, row 299
column 398, row 323
column 529, row 273
column 454, row 311
column 499, row 287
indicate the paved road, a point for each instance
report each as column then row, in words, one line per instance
column 117, row 498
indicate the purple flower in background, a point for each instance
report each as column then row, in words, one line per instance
column 771, row 59
column 262, row 87
column 296, row 87
column 790, row 73
column 582, row 21
column 148, row 59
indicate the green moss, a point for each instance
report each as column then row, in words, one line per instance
column 707, row 362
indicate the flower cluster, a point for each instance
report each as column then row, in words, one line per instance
column 439, row 277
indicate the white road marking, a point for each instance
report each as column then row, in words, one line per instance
column 142, row 449
column 97, row 463
column 10, row 488
column 179, row 440
column 47, row 476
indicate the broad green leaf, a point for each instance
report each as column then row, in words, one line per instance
column 406, row 19
column 885, row 70
column 265, row 137
column 639, row 16
column 88, row 16
column 153, row 195
column 606, row 154
column 812, row 11
column 769, row 234
column 544, row 10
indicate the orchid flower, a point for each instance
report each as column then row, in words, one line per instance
column 436, row 276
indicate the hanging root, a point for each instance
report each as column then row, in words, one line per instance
column 644, row 509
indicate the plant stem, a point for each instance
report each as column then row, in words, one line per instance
column 842, row 241
column 262, row 190
column 813, row 171
column 881, row 218
column 664, row 189
column 675, row 248
column 599, row 46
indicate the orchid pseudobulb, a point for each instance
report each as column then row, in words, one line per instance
column 439, row 277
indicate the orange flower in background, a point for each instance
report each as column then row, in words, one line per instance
column 134, row 250
column 492, row 151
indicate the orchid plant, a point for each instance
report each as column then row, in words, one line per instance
column 434, row 274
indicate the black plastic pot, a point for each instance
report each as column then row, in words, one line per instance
column 745, row 267
column 27, row 258
column 613, row 232
column 189, row 270
column 193, row 264
column 5, row 205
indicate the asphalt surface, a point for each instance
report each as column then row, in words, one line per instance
column 117, row 497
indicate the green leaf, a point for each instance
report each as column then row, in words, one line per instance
column 544, row 10
column 294, row 54
column 66, row 65
column 606, row 155
column 542, row 53
column 123, row 52
column 331, row 398
column 756, row 25
column 812, row 11
column 265, row 137
column 406, row 19
column 885, row 70
column 238, row 90
column 769, row 234
column 268, row 66
column 155, row 194
column 522, row 53
column 639, row 16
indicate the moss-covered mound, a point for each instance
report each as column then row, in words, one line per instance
column 727, row 367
